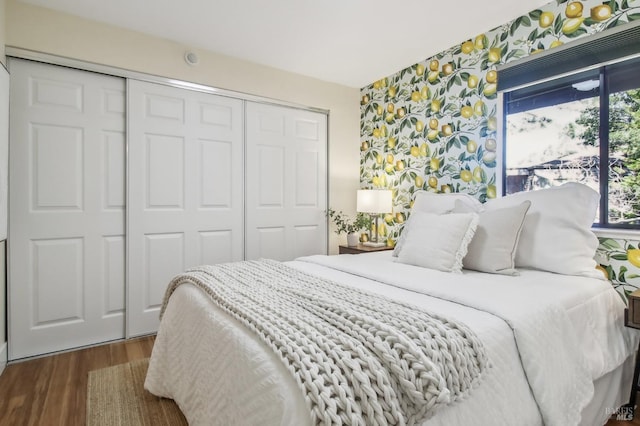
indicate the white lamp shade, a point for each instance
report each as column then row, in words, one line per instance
column 374, row 201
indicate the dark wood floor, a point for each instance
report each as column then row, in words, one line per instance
column 53, row 390
column 634, row 422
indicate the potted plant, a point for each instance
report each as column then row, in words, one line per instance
column 351, row 226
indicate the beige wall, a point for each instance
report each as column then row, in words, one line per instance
column 43, row 30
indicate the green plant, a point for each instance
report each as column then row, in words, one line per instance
column 345, row 224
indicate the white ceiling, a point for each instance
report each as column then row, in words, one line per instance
column 350, row 42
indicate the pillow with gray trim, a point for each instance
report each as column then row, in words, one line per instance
column 493, row 247
column 557, row 235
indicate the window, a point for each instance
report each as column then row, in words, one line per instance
column 584, row 127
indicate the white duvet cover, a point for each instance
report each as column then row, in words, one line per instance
column 547, row 336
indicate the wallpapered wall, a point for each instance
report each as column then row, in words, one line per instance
column 432, row 126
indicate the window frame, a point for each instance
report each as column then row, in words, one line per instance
column 603, row 134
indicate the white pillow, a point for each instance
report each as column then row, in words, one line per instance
column 438, row 241
column 430, row 202
column 493, row 247
column 402, row 237
column 557, row 234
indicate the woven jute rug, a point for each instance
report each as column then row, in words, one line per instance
column 116, row 396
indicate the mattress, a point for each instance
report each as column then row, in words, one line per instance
column 219, row 373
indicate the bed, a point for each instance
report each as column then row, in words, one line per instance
column 557, row 348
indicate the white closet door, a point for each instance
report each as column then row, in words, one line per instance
column 185, row 190
column 66, row 208
column 286, row 189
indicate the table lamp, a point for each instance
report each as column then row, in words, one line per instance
column 374, row 202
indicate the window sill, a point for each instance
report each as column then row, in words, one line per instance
column 633, row 234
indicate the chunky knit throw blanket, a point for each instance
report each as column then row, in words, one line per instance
column 359, row 358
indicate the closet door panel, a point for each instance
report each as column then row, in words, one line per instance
column 215, row 189
column 185, row 199
column 113, row 261
column 286, row 191
column 113, row 170
column 57, row 275
column 216, row 247
column 65, row 265
column 271, row 243
column 164, row 180
column 164, row 254
column 57, row 184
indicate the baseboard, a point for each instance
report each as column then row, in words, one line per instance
column 3, row 357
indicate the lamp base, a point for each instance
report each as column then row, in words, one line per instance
column 372, row 244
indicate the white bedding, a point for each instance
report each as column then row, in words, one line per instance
column 219, row 373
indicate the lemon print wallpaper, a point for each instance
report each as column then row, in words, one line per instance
column 432, row 126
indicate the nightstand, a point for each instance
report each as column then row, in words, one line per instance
column 361, row 249
column 636, row 371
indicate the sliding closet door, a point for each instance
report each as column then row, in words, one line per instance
column 286, row 189
column 185, row 190
column 66, row 208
